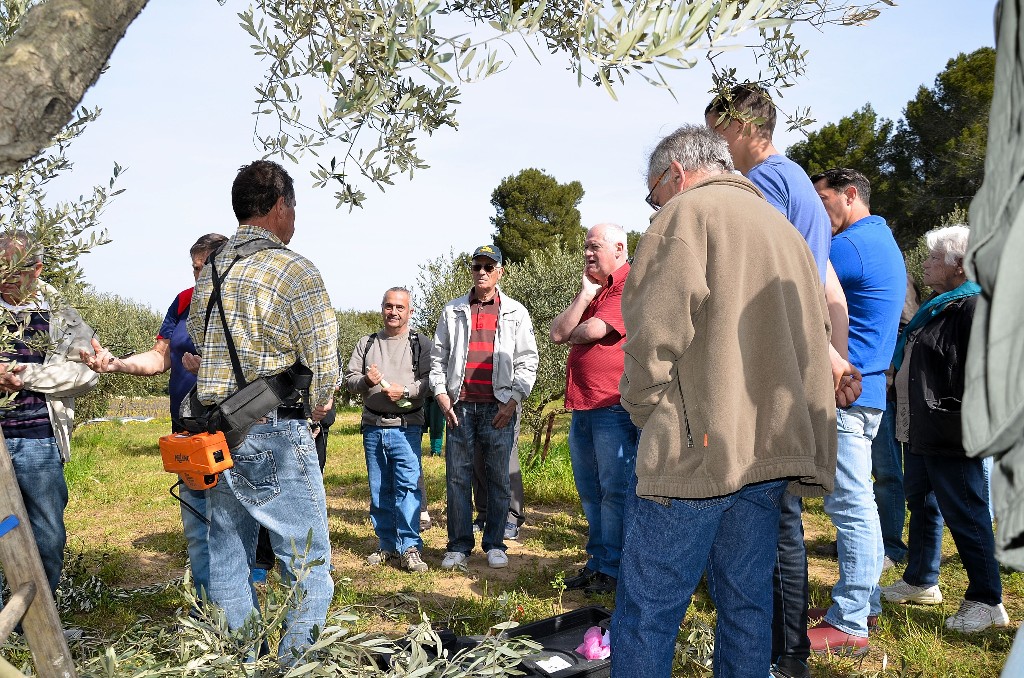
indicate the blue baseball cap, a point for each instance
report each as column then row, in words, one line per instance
column 489, row 251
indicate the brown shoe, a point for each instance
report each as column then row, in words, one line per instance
column 827, row 639
column 816, row 614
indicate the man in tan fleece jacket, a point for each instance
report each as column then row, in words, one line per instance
column 727, row 375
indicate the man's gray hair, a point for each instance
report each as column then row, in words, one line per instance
column 612, row 233
column 695, row 148
column 33, row 250
column 950, row 241
column 396, row 289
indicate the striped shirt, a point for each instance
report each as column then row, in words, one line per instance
column 28, row 416
column 478, row 386
column 278, row 312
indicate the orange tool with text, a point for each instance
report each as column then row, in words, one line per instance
column 197, row 458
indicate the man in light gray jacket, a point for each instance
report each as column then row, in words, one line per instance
column 37, row 371
column 482, row 367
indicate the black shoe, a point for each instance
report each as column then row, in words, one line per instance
column 790, row 667
column 602, row 584
column 582, row 580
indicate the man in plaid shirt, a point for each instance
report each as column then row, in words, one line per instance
column 278, row 313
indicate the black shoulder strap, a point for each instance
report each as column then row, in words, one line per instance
column 414, row 345
column 370, row 338
column 245, row 250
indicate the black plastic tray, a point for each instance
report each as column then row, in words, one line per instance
column 561, row 635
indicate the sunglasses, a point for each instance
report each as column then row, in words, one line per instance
column 486, row 267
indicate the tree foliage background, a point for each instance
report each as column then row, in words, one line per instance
column 533, row 212
column 928, row 163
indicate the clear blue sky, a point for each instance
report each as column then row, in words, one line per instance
column 177, row 102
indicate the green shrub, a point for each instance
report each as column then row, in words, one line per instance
column 123, row 326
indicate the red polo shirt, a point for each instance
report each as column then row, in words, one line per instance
column 594, row 369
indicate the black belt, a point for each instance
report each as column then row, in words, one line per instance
column 393, row 415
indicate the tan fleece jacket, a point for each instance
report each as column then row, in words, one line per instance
column 727, row 368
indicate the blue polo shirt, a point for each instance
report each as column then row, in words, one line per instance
column 874, row 278
column 173, row 329
column 788, row 188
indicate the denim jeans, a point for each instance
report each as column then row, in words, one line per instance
column 956, row 487
column 602, row 446
column 516, row 500
column 851, row 506
column 496, row 443
column 789, row 590
column 667, row 547
column 197, row 538
column 40, row 473
column 887, row 468
column 275, row 482
column 393, row 466
column 1014, row 665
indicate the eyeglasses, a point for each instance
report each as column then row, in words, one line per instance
column 486, row 267
column 650, row 196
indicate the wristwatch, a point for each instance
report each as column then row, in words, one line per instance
column 405, row 393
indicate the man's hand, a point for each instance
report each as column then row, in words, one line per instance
column 9, row 379
column 846, row 380
column 395, row 392
column 320, row 411
column 445, row 403
column 100, row 360
column 373, row 375
column 505, row 413
column 191, row 362
column 589, row 286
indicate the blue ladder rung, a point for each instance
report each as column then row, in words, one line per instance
column 8, row 524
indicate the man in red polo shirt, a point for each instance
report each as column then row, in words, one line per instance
column 602, row 439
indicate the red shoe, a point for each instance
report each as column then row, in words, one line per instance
column 816, row 614
column 826, row 638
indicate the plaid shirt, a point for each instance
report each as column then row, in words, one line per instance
column 278, row 311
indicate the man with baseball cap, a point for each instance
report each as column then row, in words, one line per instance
column 482, row 366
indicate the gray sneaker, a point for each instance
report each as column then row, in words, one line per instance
column 412, row 562
column 381, row 557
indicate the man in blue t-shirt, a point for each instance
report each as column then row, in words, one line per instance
column 871, row 270
column 787, row 187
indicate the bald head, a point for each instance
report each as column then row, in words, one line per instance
column 604, row 251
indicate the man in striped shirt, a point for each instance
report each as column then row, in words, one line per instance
column 278, row 313
column 482, row 367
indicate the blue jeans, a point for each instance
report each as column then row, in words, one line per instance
column 887, row 468
column 1014, row 666
column 275, row 482
column 197, row 538
column 496, row 443
column 393, row 466
column 668, row 546
column 40, row 473
column 956, row 487
column 602, row 445
column 851, row 506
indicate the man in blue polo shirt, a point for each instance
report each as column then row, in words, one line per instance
column 871, row 270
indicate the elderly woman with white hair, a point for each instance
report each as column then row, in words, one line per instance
column 940, row 480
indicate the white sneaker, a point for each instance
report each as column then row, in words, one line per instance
column 902, row 592
column 496, row 558
column 974, row 616
column 453, row 559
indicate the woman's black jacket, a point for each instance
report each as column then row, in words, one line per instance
column 937, row 380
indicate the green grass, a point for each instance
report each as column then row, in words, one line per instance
column 125, row 537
